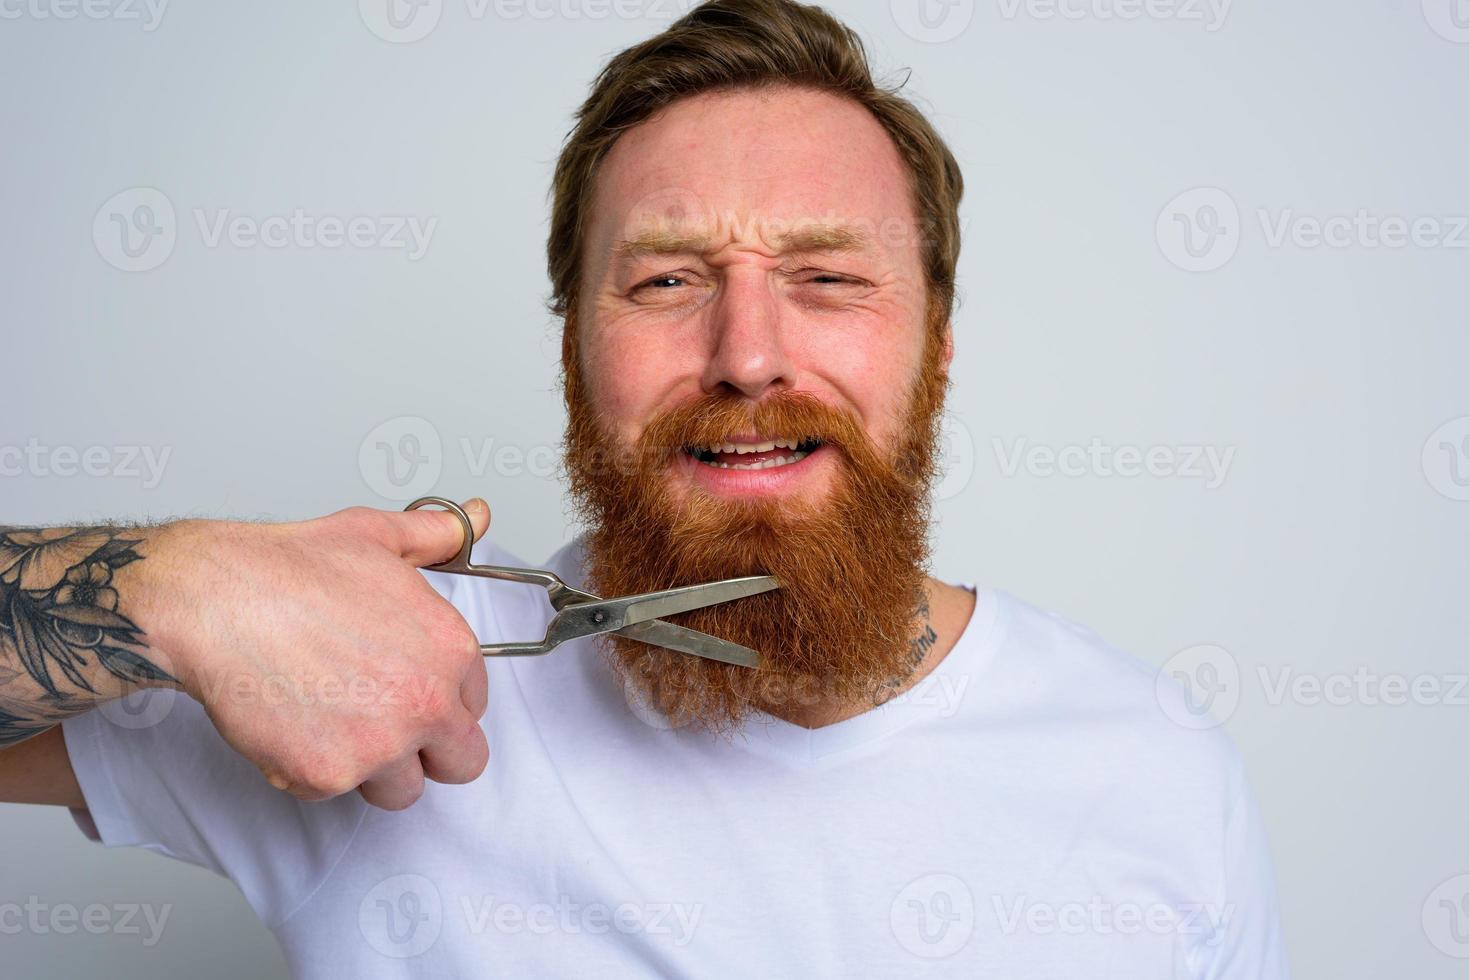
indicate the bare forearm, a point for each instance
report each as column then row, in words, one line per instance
column 226, row 610
column 68, row 636
column 39, row 770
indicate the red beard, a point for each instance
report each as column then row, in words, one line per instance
column 851, row 566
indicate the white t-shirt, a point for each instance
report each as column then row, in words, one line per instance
column 1030, row 810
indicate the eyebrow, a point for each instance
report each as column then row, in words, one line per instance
column 807, row 238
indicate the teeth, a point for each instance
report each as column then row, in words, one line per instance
column 763, row 464
column 741, row 448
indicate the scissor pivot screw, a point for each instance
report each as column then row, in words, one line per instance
column 599, row 617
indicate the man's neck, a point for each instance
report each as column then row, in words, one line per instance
column 941, row 619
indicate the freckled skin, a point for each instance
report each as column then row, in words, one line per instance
column 738, row 315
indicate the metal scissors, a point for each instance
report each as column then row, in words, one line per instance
column 580, row 614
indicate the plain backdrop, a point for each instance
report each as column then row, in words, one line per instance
column 1210, row 386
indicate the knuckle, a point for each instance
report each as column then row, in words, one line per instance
column 322, row 777
column 449, row 636
column 335, row 785
column 394, row 803
column 377, row 750
column 432, row 701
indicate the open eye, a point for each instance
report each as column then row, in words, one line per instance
column 663, row 281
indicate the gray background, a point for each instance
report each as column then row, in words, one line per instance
column 1333, row 548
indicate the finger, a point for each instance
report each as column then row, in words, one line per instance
column 396, row 788
column 427, row 537
column 459, row 758
column 475, row 691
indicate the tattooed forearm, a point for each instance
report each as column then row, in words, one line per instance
column 65, row 643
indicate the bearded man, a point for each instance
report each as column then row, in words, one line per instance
column 753, row 249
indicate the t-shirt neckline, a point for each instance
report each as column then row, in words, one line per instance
column 935, row 698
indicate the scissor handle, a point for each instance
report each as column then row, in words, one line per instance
column 461, row 565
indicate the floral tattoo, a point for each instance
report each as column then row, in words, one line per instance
column 59, row 620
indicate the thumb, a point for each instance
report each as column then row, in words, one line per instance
column 429, row 536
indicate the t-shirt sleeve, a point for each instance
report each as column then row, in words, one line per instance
column 1248, row 944
column 156, row 774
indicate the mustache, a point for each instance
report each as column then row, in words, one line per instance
column 715, row 419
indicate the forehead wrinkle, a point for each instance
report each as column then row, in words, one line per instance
column 808, row 238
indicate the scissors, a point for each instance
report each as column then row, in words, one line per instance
column 580, row 614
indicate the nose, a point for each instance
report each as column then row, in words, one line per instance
column 749, row 355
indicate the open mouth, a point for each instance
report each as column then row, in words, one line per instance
column 754, row 455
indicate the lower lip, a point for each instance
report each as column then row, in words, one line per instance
column 770, row 481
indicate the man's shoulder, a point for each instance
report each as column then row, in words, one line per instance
column 1077, row 659
column 1065, row 671
column 569, row 562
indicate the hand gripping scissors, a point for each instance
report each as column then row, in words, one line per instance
column 580, row 614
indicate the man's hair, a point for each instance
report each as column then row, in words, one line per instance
column 739, row 44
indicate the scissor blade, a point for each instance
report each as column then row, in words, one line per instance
column 608, row 615
column 684, row 640
column 656, row 605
